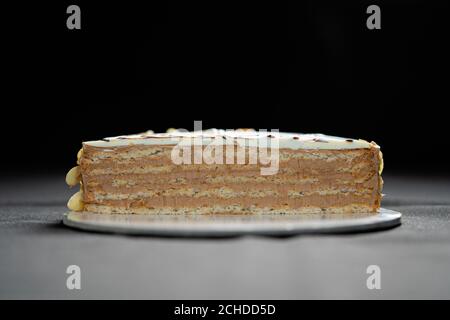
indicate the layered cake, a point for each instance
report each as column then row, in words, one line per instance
column 227, row 172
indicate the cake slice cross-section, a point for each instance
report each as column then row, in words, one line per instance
column 227, row 172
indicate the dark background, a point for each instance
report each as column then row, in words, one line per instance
column 305, row 66
column 308, row 66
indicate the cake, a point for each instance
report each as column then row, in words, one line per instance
column 227, row 172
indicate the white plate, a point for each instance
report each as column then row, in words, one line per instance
column 232, row 225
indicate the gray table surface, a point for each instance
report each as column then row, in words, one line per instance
column 35, row 250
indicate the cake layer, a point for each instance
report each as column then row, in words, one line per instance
column 232, row 209
column 139, row 175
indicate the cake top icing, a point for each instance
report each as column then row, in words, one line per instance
column 247, row 137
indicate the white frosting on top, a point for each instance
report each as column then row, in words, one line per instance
column 240, row 137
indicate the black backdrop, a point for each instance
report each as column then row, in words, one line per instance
column 306, row 66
